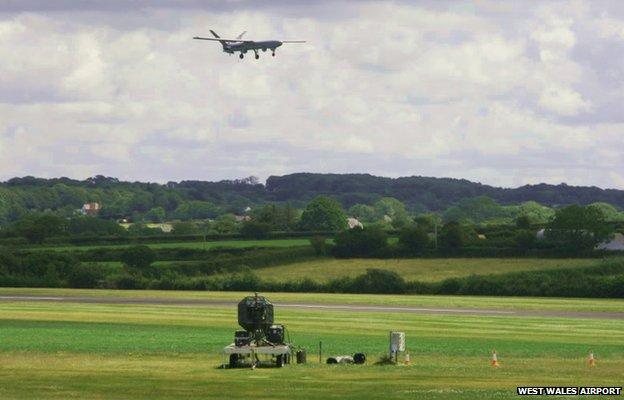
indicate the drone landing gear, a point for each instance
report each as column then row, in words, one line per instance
column 273, row 54
column 241, row 56
column 257, row 55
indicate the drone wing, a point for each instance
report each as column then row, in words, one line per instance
column 221, row 39
column 293, row 41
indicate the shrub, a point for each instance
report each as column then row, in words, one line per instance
column 124, row 281
column 318, row 244
column 378, row 281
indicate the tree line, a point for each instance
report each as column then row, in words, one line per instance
column 194, row 200
column 463, row 222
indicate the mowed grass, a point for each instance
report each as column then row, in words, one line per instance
column 190, row 245
column 70, row 350
column 421, row 269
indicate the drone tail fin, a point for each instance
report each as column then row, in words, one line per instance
column 223, row 42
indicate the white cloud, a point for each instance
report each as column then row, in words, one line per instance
column 562, row 100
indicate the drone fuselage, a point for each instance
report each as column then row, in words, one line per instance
column 244, row 47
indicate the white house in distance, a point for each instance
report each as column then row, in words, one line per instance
column 90, row 209
column 616, row 243
column 354, row 223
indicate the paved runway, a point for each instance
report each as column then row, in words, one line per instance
column 319, row 306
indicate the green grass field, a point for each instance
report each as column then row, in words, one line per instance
column 97, row 351
column 421, row 269
column 191, row 245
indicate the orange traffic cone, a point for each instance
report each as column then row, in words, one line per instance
column 494, row 361
column 591, row 360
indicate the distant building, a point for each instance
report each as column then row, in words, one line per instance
column 90, row 209
column 354, row 223
column 615, row 244
column 165, row 227
column 242, row 218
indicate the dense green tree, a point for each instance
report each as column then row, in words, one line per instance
column 394, row 209
column 226, row 224
column 70, row 196
column 185, row 228
column 451, row 236
column 168, row 200
column 428, row 222
column 578, row 228
column 475, row 209
column 141, row 202
column 323, row 214
column 92, row 226
column 267, row 214
column 280, row 218
column 536, row 213
column 156, row 214
column 290, row 216
column 364, row 213
column 609, row 212
column 413, row 238
column 196, row 210
column 37, row 227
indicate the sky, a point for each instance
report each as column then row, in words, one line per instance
column 500, row 92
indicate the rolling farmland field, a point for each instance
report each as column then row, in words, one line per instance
column 75, row 349
column 421, row 269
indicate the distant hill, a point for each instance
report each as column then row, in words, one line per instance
column 209, row 199
column 432, row 193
